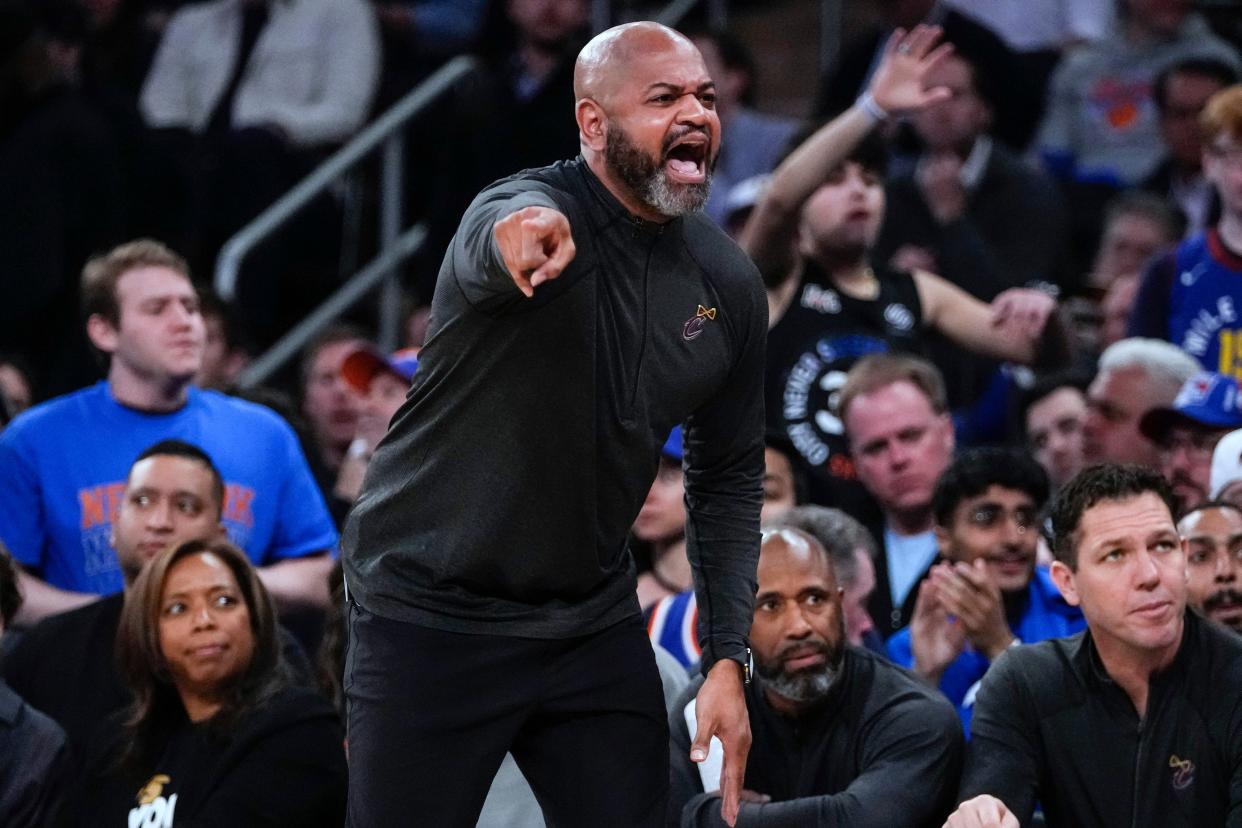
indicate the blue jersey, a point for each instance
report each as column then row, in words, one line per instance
column 672, row 622
column 63, row 466
column 1192, row 297
column 1046, row 616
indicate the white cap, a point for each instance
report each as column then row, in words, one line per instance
column 1226, row 462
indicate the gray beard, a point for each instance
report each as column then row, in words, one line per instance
column 647, row 179
column 803, row 687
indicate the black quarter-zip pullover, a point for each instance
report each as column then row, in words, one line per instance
column 501, row 499
column 1051, row 725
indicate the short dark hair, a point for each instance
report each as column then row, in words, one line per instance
column 983, row 58
column 1148, row 206
column 101, row 273
column 1106, row 481
column 10, row 595
column 778, row 441
column 339, row 332
column 180, row 448
column 972, row 472
column 1203, row 67
column 155, row 703
column 836, row 531
column 1046, row 386
column 213, row 306
column 733, row 54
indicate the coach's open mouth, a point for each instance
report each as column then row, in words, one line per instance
column 686, row 160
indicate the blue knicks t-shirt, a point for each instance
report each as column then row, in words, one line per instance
column 63, row 466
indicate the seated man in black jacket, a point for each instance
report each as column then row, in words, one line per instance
column 839, row 736
column 1135, row 721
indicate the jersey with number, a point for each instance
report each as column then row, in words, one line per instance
column 1192, row 296
column 821, row 335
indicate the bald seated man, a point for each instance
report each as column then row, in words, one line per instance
column 583, row 310
column 841, row 735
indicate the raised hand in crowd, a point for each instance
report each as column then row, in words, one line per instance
column 898, row 82
column 1023, row 310
column 935, row 638
column 898, row 85
column 968, row 593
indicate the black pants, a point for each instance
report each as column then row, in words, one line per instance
column 432, row 713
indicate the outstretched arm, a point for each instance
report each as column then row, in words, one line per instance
column 1018, row 326
column 896, row 86
column 535, row 245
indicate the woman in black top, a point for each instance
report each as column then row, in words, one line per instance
column 215, row 734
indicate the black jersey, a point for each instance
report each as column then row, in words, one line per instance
column 821, row 335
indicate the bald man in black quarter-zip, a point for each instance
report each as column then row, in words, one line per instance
column 582, row 311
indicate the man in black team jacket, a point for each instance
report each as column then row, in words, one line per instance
column 581, row 312
column 1135, row 721
column 841, row 736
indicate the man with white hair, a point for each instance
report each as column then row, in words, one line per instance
column 1135, row 375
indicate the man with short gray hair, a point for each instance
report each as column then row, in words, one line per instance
column 1135, row 376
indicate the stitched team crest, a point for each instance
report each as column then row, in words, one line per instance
column 1183, row 772
column 695, row 324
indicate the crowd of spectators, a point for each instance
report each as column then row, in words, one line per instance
column 1005, row 316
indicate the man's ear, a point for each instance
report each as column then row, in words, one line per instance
column 592, row 124
column 1063, row 577
column 102, row 333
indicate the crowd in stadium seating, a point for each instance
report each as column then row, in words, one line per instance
column 974, row 302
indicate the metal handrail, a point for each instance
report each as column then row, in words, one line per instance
column 395, row 246
column 385, row 130
column 345, row 297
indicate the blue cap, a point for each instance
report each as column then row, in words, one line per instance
column 362, row 366
column 672, row 446
column 1207, row 400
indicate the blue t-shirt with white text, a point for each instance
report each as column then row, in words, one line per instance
column 63, row 466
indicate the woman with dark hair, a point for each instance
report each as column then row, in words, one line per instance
column 216, row 734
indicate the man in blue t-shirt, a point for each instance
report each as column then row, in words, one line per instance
column 985, row 594
column 63, row 464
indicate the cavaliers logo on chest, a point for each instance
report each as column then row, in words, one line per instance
column 695, row 324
